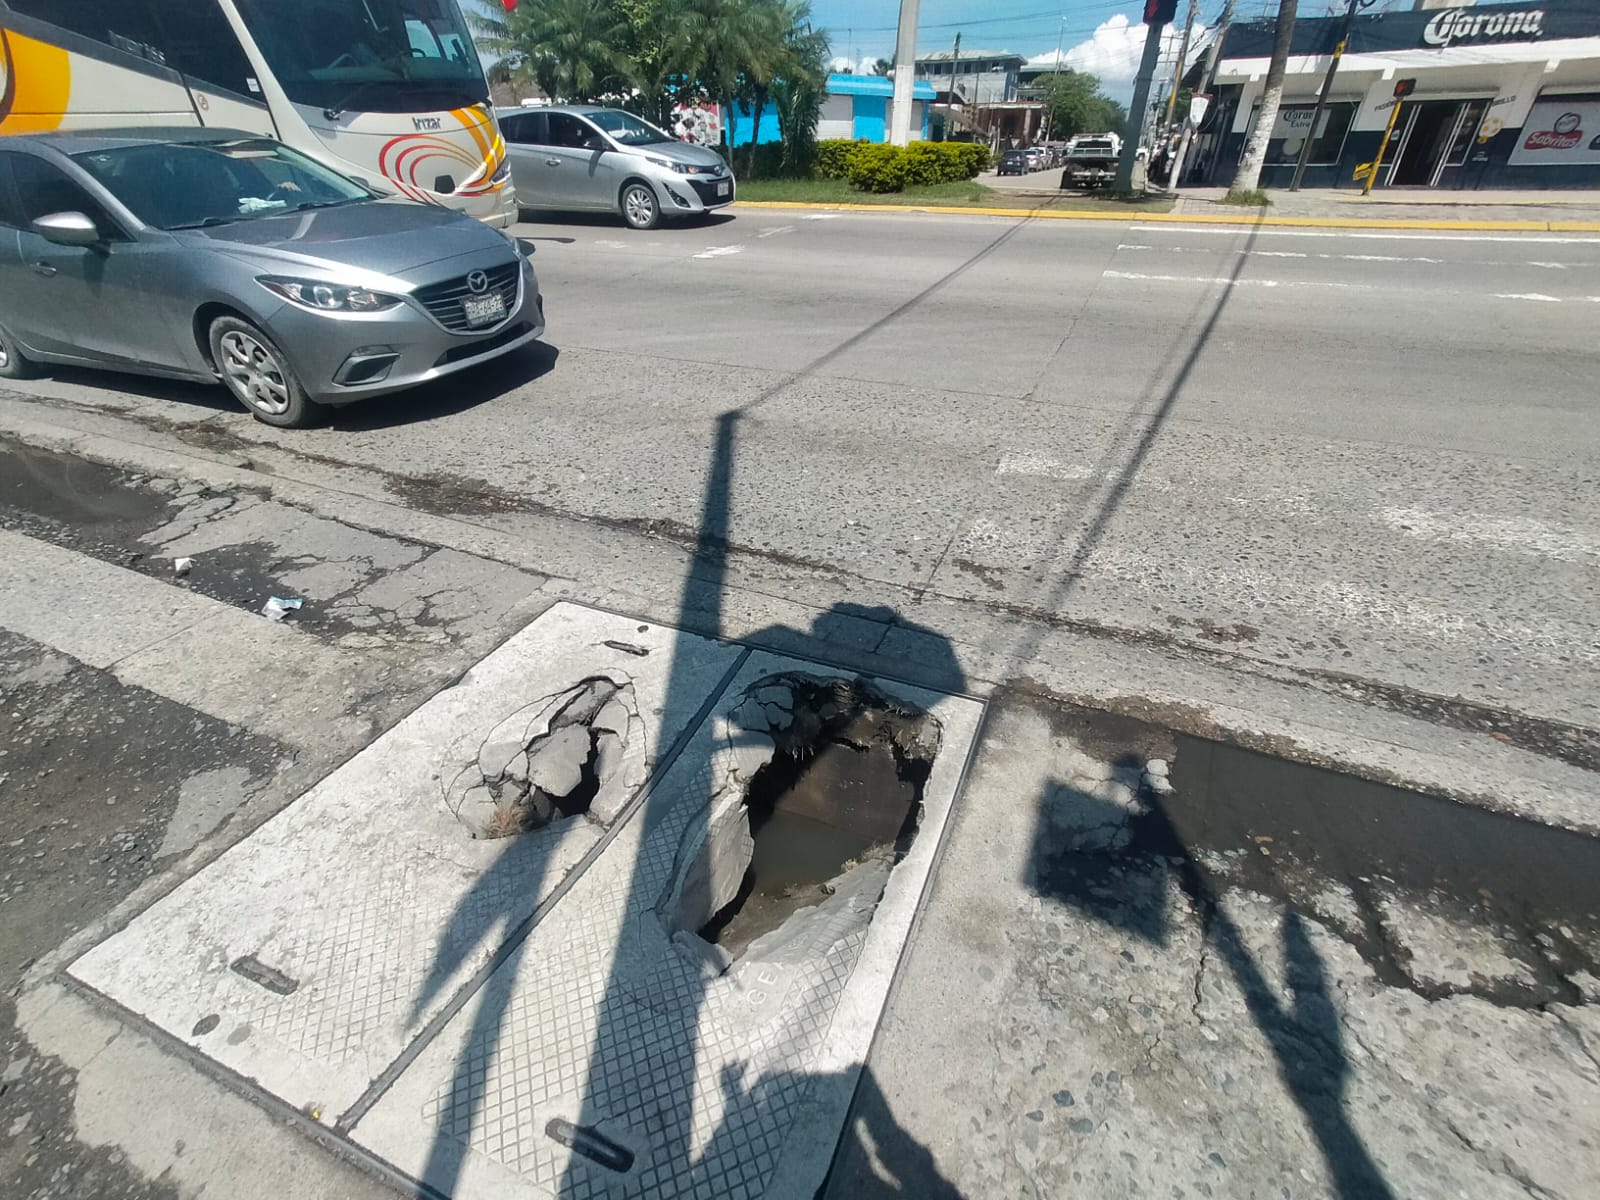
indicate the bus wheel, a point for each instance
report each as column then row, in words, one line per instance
column 259, row 376
column 13, row 365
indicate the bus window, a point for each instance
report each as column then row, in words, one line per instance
column 127, row 25
column 197, row 40
column 190, row 36
column 374, row 55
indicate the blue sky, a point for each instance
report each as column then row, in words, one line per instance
column 1027, row 26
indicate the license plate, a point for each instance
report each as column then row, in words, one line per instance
column 723, row 188
column 484, row 310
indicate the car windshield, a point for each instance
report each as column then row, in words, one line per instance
column 628, row 129
column 187, row 185
column 373, row 55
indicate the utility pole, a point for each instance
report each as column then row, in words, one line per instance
column 1050, row 111
column 955, row 65
column 1158, row 15
column 1248, row 176
column 1206, row 83
column 1183, row 53
column 1327, row 88
column 905, row 73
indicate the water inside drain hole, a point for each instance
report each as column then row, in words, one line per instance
column 818, row 808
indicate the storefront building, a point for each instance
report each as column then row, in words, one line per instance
column 1507, row 96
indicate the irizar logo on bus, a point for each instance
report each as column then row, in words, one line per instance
column 1458, row 24
column 427, row 122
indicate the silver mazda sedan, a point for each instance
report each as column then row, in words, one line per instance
column 212, row 254
column 580, row 156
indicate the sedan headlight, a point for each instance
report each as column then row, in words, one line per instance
column 682, row 168
column 328, row 297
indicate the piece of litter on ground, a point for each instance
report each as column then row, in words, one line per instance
column 182, row 566
column 276, row 609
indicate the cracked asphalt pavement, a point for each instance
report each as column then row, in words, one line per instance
column 1274, row 554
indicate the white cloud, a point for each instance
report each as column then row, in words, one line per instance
column 1114, row 51
column 841, row 64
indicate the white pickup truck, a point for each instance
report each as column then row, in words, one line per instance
column 1091, row 161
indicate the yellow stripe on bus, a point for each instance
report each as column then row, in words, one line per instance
column 35, row 85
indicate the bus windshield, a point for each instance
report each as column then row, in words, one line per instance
column 372, row 55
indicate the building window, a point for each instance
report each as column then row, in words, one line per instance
column 1294, row 122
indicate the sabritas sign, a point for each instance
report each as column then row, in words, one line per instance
column 1463, row 25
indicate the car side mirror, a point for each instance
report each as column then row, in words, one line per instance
column 68, row 229
column 594, row 142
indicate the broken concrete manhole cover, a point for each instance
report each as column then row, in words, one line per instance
column 626, row 927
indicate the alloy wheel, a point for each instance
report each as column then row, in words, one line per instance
column 254, row 373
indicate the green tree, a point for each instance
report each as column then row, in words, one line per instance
column 1073, row 105
column 799, row 87
column 568, row 47
column 883, row 66
column 657, row 48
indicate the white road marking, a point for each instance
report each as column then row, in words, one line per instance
column 610, row 245
column 1236, row 231
column 1549, row 266
column 1397, row 258
column 1522, row 535
column 1223, row 281
column 777, row 229
column 820, row 217
column 719, row 251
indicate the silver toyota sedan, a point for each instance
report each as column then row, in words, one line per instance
column 211, row 254
column 579, row 157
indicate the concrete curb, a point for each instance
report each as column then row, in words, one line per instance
column 1201, row 219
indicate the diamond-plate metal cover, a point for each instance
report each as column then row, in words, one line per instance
column 367, row 893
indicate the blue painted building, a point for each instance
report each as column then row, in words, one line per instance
column 855, row 107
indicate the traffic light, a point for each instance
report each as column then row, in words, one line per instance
column 1404, row 88
column 1160, row 12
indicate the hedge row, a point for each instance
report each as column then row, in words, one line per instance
column 874, row 167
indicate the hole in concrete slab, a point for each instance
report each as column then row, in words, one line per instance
column 533, row 770
column 839, row 785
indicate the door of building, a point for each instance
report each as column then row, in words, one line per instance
column 1434, row 133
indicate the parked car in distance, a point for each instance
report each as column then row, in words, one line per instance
column 1013, row 162
column 211, row 254
column 1035, row 158
column 581, row 157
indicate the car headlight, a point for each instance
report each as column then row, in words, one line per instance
column 681, row 168
column 328, row 297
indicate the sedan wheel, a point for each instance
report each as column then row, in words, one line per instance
column 639, row 207
column 12, row 364
column 259, row 376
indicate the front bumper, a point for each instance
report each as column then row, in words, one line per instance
column 684, row 194
column 344, row 358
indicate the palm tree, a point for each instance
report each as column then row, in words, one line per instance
column 736, row 43
column 568, row 46
column 799, row 87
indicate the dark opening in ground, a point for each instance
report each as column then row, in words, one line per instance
column 843, row 787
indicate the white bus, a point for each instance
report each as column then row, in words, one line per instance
column 388, row 91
